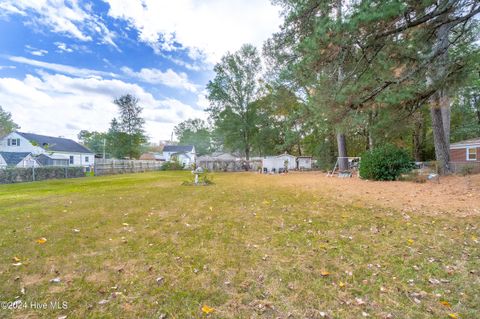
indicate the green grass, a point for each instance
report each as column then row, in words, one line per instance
column 249, row 246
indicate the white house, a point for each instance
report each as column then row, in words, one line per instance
column 279, row 163
column 20, row 159
column 54, row 150
column 184, row 154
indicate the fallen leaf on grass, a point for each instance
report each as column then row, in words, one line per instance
column 125, row 224
column 359, row 301
column 446, row 303
column 211, row 208
column 410, row 241
column 16, row 259
column 207, row 310
column 452, row 316
column 324, row 273
column 41, row 240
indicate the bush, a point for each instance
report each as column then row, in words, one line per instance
column 172, row 166
column 385, row 163
column 21, row 174
column 467, row 170
column 204, row 179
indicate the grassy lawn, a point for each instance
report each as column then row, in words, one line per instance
column 249, row 246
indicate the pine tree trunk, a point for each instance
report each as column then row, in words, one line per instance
column 418, row 136
column 439, row 102
column 445, row 106
column 369, row 130
column 341, row 140
column 442, row 151
column 342, row 152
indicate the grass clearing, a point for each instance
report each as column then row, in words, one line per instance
column 250, row 246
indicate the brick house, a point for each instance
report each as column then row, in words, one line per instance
column 465, row 153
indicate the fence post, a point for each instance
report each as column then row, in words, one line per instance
column 33, row 173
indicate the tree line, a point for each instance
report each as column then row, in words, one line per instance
column 343, row 77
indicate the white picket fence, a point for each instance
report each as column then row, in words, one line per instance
column 113, row 166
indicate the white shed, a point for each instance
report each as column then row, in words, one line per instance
column 304, row 162
column 278, row 163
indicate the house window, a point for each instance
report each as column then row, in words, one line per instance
column 71, row 159
column 86, row 159
column 471, row 153
column 13, row 142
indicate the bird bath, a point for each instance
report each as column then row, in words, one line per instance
column 198, row 172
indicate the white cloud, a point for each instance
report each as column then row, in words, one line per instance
column 209, row 27
column 39, row 52
column 35, row 51
column 5, row 67
column 169, row 78
column 61, row 16
column 63, row 105
column 63, row 47
column 66, row 69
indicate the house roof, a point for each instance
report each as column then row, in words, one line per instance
column 178, row 148
column 13, row 158
column 57, row 144
column 474, row 141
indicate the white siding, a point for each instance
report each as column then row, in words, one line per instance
column 278, row 162
column 187, row 158
column 25, row 145
column 78, row 158
column 2, row 162
column 304, row 163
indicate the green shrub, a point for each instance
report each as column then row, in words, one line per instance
column 172, row 166
column 204, row 179
column 385, row 163
column 467, row 170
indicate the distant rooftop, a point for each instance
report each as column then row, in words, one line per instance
column 178, row 148
column 57, row 144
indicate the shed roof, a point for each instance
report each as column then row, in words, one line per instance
column 57, row 144
column 178, row 148
column 13, row 158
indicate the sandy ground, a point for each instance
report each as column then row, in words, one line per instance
column 453, row 194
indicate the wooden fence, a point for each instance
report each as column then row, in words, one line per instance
column 111, row 166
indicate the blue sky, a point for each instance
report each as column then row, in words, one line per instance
column 62, row 62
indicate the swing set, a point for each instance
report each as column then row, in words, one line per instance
column 353, row 166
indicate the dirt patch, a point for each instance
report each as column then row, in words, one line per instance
column 31, row 280
column 453, row 194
